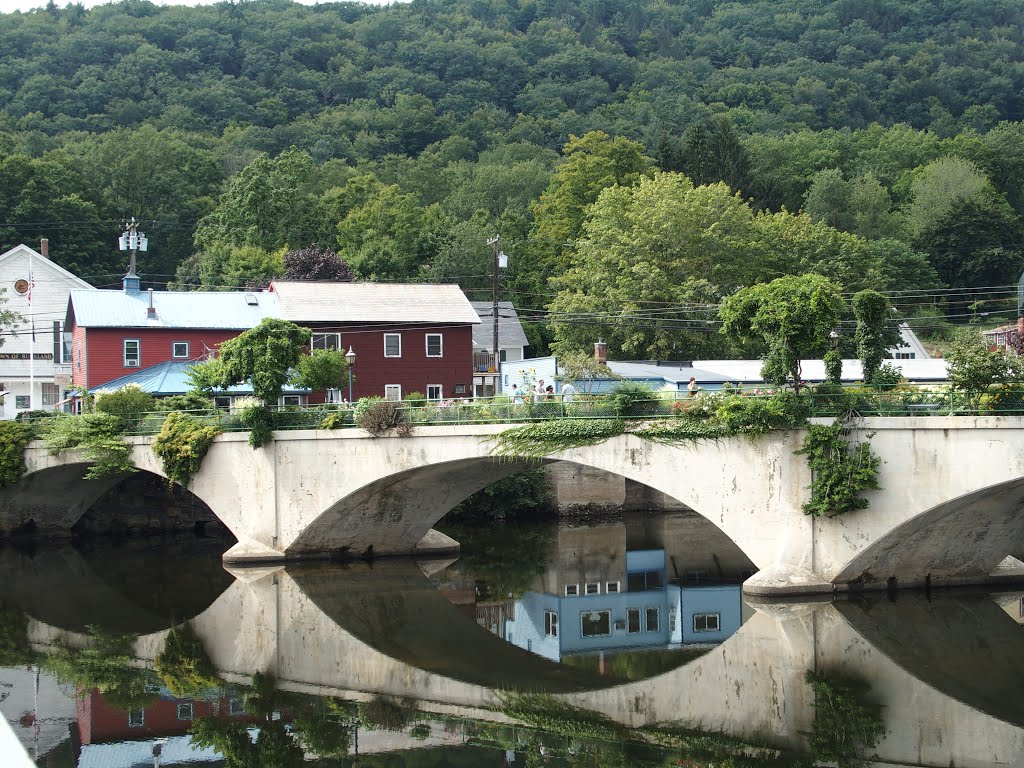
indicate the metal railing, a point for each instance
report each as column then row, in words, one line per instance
column 906, row 400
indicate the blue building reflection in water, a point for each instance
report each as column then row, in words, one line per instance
column 642, row 611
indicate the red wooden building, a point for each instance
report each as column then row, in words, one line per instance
column 406, row 338
column 114, row 333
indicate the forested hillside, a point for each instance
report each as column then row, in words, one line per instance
column 402, row 137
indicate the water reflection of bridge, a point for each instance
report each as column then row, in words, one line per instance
column 947, row 671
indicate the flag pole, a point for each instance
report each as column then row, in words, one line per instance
column 32, row 338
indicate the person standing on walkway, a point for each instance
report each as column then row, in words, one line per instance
column 692, row 387
column 568, row 391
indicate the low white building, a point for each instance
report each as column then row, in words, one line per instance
column 35, row 362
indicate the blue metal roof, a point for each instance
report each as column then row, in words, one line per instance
column 172, row 309
column 171, row 378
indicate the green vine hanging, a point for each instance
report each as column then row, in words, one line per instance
column 98, row 436
column 181, row 445
column 840, row 470
column 14, row 436
column 534, row 441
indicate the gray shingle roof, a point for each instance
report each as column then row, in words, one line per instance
column 510, row 330
column 311, row 302
column 184, row 309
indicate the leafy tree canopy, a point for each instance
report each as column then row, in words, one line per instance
column 263, row 356
column 791, row 317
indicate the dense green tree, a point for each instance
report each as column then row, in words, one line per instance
column 592, row 163
column 979, row 242
column 647, row 271
column 157, row 177
column 250, row 266
column 262, row 356
column 389, row 235
column 322, row 369
column 265, row 206
column 794, row 244
column 8, row 318
column 876, row 332
column 973, row 369
column 938, row 188
column 791, row 317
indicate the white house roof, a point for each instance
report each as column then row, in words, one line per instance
column 231, row 310
column 749, row 371
column 510, row 330
column 311, row 302
column 41, row 264
column 673, row 372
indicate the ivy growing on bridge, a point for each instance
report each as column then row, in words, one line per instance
column 840, row 470
column 98, row 436
column 14, row 437
column 181, row 445
column 534, row 441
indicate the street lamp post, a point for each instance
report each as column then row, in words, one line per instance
column 350, row 358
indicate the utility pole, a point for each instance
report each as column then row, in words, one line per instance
column 498, row 261
column 493, row 242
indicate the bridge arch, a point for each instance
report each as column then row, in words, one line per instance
column 960, row 541
column 401, row 495
column 52, row 498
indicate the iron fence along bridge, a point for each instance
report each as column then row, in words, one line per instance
column 903, row 400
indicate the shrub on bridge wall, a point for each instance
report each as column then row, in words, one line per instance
column 182, row 444
column 631, row 399
column 840, row 470
column 548, row 713
column 99, row 437
column 740, row 415
column 383, row 712
column 380, row 416
column 846, row 724
column 128, row 403
column 184, row 666
column 14, row 436
column 259, row 420
column 190, row 401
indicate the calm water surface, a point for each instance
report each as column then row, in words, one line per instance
column 626, row 638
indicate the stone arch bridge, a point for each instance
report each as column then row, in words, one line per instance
column 949, row 512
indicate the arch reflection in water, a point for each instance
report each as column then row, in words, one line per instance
column 943, row 671
column 135, row 586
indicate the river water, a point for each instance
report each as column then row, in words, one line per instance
column 616, row 640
